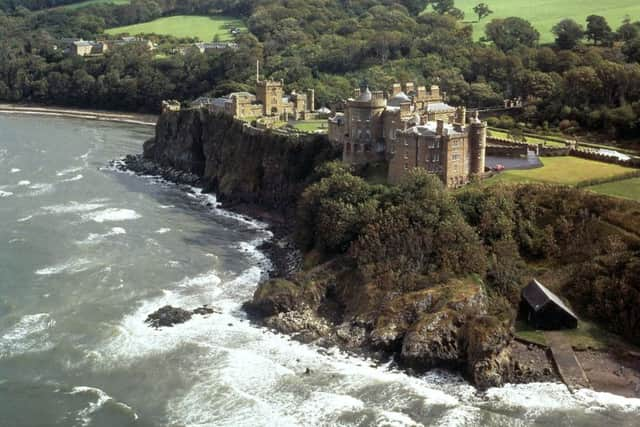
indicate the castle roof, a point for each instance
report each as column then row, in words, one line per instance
column 365, row 96
column 399, row 98
column 430, row 129
column 439, row 106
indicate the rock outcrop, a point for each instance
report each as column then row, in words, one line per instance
column 444, row 325
column 168, row 316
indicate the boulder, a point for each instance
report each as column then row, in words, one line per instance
column 168, row 316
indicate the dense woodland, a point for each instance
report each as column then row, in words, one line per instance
column 414, row 235
column 588, row 79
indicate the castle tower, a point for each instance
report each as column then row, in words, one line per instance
column 477, row 145
column 270, row 94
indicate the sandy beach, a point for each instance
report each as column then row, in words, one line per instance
column 134, row 118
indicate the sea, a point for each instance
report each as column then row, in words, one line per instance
column 88, row 252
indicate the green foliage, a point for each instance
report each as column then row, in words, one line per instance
column 568, row 33
column 482, row 10
column 598, row 30
column 511, row 33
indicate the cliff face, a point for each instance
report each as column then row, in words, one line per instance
column 238, row 163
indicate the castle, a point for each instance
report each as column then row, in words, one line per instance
column 410, row 128
column 269, row 101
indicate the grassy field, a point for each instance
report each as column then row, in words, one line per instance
column 562, row 170
column 203, row 27
column 627, row 189
column 92, row 2
column 310, row 125
column 544, row 14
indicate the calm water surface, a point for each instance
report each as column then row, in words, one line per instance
column 86, row 253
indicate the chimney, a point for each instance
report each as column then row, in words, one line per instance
column 435, row 91
column 396, row 89
column 409, row 87
column 422, row 92
column 439, row 127
column 311, row 100
column 356, row 93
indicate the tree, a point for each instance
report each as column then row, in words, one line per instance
column 482, row 10
column 598, row 30
column 442, row 6
column 510, row 33
column 568, row 33
column 631, row 49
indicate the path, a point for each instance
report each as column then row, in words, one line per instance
column 565, row 359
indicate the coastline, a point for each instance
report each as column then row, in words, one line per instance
column 108, row 116
column 533, row 363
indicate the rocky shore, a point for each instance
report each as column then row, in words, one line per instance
column 443, row 325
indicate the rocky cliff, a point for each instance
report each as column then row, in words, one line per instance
column 240, row 164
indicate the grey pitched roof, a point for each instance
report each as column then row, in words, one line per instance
column 537, row 295
column 439, row 106
column 399, row 98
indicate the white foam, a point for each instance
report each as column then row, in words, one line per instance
column 28, row 335
column 112, row 214
column 25, row 219
column 70, row 267
column 75, row 178
column 84, row 415
column 40, row 189
column 69, row 171
column 15, row 170
column 163, row 231
column 74, row 207
column 597, row 401
column 24, row 183
column 5, row 193
column 94, row 238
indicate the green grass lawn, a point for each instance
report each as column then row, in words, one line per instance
column 587, row 335
column 627, row 189
column 524, row 331
column 528, row 138
column 544, row 14
column 93, row 2
column 310, row 125
column 203, row 27
column 562, row 170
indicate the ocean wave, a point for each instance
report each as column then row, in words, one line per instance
column 112, row 214
column 25, row 219
column 74, row 207
column 71, row 267
column 95, row 238
column 15, row 170
column 24, row 183
column 163, row 231
column 5, row 193
column 84, row 415
column 39, row 189
column 69, row 171
column 28, row 335
column 75, row 178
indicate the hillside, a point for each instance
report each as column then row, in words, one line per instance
column 544, row 14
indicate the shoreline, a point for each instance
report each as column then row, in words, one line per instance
column 533, row 363
column 107, row 116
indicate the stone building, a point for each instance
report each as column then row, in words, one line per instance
column 410, row 128
column 87, row 48
column 269, row 101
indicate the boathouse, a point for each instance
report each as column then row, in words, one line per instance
column 543, row 309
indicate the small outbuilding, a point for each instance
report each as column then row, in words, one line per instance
column 545, row 310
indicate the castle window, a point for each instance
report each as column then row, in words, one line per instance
column 406, row 166
column 455, row 156
column 436, row 157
